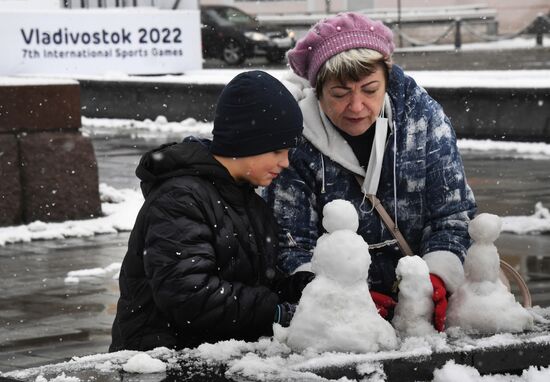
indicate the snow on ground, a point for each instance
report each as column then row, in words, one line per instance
column 145, row 128
column 74, row 277
column 120, row 208
column 539, row 222
column 32, row 81
column 529, row 150
column 451, row 372
column 528, row 79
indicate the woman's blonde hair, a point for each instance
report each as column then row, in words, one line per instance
column 353, row 64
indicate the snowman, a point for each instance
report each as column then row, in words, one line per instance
column 413, row 313
column 336, row 311
column 483, row 304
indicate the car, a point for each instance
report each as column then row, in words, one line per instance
column 232, row 35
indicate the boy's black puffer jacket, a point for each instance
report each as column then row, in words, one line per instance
column 200, row 261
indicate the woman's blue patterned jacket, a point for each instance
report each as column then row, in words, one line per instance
column 433, row 200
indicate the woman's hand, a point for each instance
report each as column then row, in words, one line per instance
column 440, row 302
column 384, row 304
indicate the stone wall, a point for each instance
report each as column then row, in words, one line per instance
column 49, row 170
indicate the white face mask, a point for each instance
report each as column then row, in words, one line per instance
column 372, row 177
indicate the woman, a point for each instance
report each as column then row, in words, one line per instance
column 370, row 130
column 200, row 265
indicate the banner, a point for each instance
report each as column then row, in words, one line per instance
column 100, row 41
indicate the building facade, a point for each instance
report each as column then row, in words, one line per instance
column 511, row 15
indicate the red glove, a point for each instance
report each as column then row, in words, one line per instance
column 440, row 302
column 383, row 303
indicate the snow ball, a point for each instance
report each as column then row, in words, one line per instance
column 189, row 122
column 541, row 212
column 340, row 214
column 37, row 226
column 161, row 119
column 342, row 256
column 143, row 363
column 485, row 228
column 412, row 266
column 451, row 372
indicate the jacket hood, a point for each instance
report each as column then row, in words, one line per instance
column 190, row 157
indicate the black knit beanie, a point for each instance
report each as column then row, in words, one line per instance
column 255, row 114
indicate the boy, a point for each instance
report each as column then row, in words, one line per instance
column 200, row 265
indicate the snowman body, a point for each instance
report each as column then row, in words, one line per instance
column 415, row 307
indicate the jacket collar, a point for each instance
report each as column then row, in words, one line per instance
column 191, row 157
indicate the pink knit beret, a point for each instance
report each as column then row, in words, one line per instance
column 336, row 34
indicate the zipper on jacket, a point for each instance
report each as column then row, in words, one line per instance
column 322, row 173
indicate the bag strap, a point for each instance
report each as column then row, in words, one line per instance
column 508, row 271
column 388, row 221
column 392, row 227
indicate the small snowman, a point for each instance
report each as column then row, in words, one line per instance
column 483, row 304
column 336, row 311
column 415, row 307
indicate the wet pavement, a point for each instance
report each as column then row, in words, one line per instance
column 42, row 318
column 45, row 320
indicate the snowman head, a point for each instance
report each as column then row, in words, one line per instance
column 411, row 266
column 485, row 228
column 340, row 214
